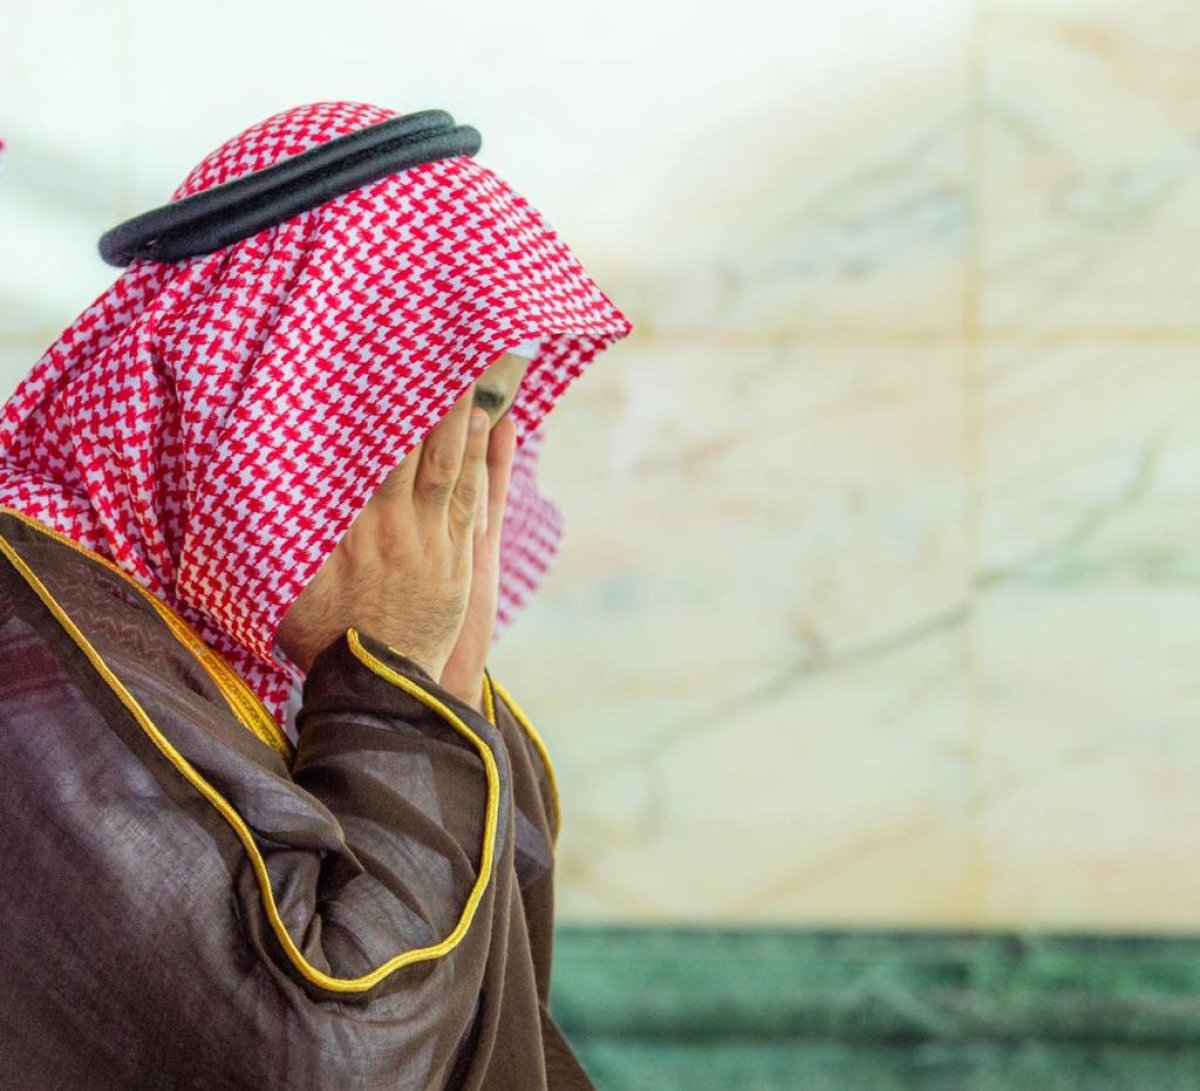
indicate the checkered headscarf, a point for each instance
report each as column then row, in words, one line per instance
column 214, row 426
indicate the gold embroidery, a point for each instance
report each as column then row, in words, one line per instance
column 531, row 731
column 306, row 968
column 491, row 820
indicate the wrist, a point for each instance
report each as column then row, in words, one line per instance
column 467, row 690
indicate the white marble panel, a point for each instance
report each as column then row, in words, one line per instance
column 65, row 121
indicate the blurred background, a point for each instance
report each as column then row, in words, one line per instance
column 870, row 659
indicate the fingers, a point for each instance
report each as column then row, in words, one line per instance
column 501, row 448
column 481, row 510
column 441, row 456
column 459, row 473
column 472, row 477
column 501, row 451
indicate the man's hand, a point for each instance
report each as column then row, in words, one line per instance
column 402, row 572
column 463, row 674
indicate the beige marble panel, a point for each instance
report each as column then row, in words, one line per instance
column 1088, row 626
column 840, row 800
column 749, row 655
column 1091, row 196
column 1088, row 637
column 750, row 661
column 1092, row 810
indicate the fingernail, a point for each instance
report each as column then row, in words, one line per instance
column 479, row 419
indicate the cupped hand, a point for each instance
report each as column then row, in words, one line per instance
column 402, row 573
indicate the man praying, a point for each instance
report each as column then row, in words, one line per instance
column 269, row 821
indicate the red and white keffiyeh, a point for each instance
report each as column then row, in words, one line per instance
column 214, row 426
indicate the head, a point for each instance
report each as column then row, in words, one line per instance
column 255, row 399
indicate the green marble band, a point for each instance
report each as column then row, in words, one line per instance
column 774, row 1008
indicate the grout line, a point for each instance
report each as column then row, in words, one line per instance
column 976, row 892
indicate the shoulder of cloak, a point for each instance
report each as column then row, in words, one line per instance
column 109, row 632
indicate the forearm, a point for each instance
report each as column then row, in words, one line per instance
column 421, row 799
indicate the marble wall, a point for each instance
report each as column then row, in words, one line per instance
column 878, row 603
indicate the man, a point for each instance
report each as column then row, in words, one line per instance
column 269, row 821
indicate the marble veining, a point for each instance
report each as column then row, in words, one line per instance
column 878, row 598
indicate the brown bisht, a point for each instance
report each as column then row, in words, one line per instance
column 190, row 901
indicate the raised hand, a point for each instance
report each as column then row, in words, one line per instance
column 402, row 573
